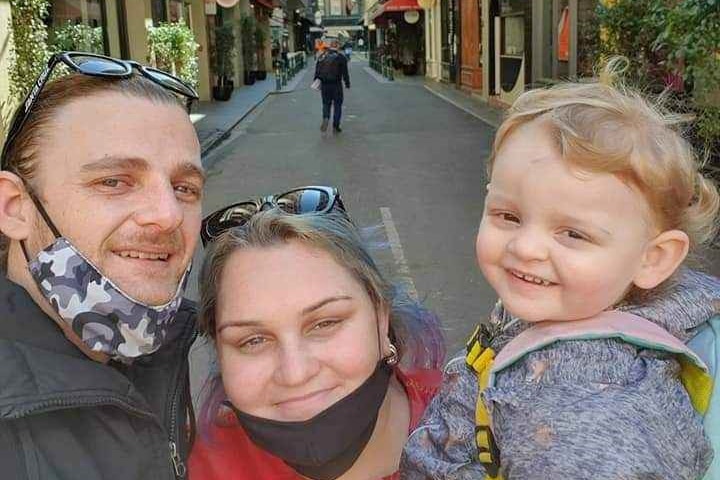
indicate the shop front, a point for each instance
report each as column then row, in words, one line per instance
column 448, row 40
column 471, row 77
column 402, row 23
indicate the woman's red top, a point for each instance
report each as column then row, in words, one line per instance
column 229, row 454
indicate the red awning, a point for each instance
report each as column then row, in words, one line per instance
column 264, row 3
column 395, row 6
column 400, row 5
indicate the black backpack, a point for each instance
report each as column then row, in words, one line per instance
column 329, row 67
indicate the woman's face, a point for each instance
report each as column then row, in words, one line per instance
column 295, row 331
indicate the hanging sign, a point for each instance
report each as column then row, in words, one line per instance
column 411, row 16
column 210, row 7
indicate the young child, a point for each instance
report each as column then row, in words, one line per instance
column 593, row 204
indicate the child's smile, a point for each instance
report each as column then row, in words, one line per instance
column 527, row 278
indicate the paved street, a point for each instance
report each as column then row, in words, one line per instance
column 407, row 162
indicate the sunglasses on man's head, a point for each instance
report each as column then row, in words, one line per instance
column 297, row 201
column 95, row 66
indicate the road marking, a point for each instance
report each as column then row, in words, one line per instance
column 398, row 253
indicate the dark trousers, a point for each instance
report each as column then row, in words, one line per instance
column 332, row 94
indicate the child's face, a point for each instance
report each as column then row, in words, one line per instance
column 553, row 244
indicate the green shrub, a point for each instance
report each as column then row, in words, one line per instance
column 692, row 38
column 247, row 39
column 29, row 52
column 223, row 53
column 6, row 110
column 173, row 49
column 666, row 40
column 630, row 28
column 77, row 37
column 260, row 39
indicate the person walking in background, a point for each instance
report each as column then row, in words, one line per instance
column 331, row 69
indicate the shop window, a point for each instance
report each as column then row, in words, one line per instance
column 336, row 7
column 77, row 25
column 158, row 10
column 176, row 11
column 513, row 35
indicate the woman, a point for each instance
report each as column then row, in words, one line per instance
column 324, row 366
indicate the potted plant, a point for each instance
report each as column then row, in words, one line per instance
column 260, row 38
column 222, row 59
column 172, row 48
column 76, row 38
column 247, row 37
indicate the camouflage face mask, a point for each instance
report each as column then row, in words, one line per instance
column 103, row 316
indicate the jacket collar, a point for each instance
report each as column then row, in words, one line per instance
column 39, row 365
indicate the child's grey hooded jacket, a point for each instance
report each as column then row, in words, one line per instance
column 586, row 409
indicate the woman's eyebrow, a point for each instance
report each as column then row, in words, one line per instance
column 322, row 303
column 238, row 323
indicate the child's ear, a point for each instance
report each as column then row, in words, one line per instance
column 663, row 255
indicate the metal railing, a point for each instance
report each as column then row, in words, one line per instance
column 285, row 70
column 382, row 64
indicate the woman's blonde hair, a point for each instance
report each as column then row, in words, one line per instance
column 605, row 127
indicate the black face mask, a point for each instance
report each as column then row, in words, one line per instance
column 327, row 445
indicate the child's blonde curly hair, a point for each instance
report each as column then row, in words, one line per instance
column 604, row 127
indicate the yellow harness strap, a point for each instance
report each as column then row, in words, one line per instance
column 480, row 358
column 634, row 330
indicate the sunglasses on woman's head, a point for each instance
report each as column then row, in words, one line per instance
column 94, row 66
column 297, row 201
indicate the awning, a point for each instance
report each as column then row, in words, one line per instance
column 264, row 3
column 393, row 6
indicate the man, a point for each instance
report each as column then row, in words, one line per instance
column 100, row 194
column 331, row 69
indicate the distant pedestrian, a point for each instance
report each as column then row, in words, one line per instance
column 332, row 70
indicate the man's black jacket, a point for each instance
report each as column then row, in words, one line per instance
column 335, row 64
column 64, row 416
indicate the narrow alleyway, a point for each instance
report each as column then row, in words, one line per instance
column 406, row 162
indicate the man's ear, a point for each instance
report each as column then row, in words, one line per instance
column 663, row 255
column 15, row 219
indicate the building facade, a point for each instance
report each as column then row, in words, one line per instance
column 496, row 49
column 122, row 27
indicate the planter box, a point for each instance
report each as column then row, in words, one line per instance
column 222, row 93
column 249, row 78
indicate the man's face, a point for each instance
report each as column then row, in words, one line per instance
column 121, row 178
